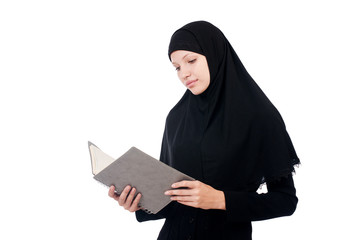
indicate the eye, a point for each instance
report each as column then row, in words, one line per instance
column 177, row 69
column 192, row 61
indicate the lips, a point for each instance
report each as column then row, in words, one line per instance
column 190, row 82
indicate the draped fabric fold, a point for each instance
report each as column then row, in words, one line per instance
column 230, row 136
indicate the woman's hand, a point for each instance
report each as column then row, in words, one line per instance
column 198, row 195
column 129, row 203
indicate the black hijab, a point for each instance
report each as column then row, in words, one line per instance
column 230, row 136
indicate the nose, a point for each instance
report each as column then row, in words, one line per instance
column 185, row 73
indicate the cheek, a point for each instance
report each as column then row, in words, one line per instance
column 206, row 75
column 204, row 69
column 179, row 75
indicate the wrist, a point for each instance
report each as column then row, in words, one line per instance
column 221, row 201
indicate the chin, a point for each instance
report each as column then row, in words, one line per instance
column 195, row 92
column 198, row 91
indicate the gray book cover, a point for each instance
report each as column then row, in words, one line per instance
column 148, row 175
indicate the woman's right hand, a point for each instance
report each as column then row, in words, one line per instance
column 129, row 203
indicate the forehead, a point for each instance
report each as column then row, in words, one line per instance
column 179, row 55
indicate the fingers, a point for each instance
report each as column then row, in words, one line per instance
column 127, row 198
column 128, row 201
column 123, row 196
column 189, row 184
column 193, row 188
column 185, row 198
column 181, row 192
column 134, row 207
column 112, row 194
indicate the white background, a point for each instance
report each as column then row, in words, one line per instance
column 73, row 71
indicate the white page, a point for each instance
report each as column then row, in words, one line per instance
column 99, row 159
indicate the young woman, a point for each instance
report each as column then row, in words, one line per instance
column 225, row 133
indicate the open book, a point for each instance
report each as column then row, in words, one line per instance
column 148, row 175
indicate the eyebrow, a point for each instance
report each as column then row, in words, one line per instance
column 182, row 58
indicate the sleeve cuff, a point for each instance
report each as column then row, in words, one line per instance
column 167, row 211
column 236, row 204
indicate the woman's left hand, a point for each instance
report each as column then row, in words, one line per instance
column 197, row 194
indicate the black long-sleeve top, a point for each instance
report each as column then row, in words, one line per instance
column 230, row 137
column 184, row 222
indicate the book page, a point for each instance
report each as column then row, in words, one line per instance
column 99, row 159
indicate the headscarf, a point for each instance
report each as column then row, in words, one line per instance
column 230, row 136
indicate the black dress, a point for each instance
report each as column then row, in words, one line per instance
column 183, row 222
column 230, row 137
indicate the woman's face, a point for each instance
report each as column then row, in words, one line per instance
column 192, row 70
